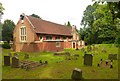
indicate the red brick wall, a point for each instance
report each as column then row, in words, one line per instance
column 51, row 46
column 68, row 44
column 27, row 47
column 30, row 45
column 30, row 36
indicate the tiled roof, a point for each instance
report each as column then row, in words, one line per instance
column 47, row 27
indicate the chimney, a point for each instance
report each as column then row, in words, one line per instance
column 73, row 28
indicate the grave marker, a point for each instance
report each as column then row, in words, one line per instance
column 112, row 56
column 15, row 62
column 88, row 59
column 6, row 60
column 76, row 74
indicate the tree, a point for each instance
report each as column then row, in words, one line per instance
column 1, row 8
column 7, row 30
column 36, row 16
column 0, row 32
column 87, row 21
column 68, row 24
column 1, row 13
column 99, row 24
column 103, row 25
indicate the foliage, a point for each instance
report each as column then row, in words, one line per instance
column 117, row 41
column 6, row 46
column 68, row 24
column 100, row 26
column 7, row 30
column 0, row 32
column 1, row 8
column 36, row 16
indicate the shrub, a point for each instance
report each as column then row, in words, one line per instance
column 6, row 46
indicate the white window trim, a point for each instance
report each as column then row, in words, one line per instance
column 22, row 35
column 39, row 38
column 59, row 44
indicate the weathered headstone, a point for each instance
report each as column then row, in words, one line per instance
column 88, row 58
column 76, row 74
column 6, row 60
column 15, row 62
column 112, row 56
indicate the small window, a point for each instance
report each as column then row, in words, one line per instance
column 40, row 37
column 57, row 44
column 69, row 38
column 64, row 38
column 48, row 37
column 57, row 38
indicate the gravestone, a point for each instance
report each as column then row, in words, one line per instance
column 6, row 60
column 76, row 74
column 15, row 62
column 112, row 56
column 88, row 58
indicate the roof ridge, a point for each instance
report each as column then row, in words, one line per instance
column 49, row 21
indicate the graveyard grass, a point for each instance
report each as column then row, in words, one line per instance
column 59, row 68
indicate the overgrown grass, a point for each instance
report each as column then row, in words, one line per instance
column 59, row 68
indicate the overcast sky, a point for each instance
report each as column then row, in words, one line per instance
column 58, row 11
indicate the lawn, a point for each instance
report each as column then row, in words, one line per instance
column 60, row 68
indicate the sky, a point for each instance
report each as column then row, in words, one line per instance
column 57, row 11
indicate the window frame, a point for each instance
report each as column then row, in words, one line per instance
column 23, row 34
column 40, row 37
column 57, row 38
column 58, row 44
column 49, row 37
